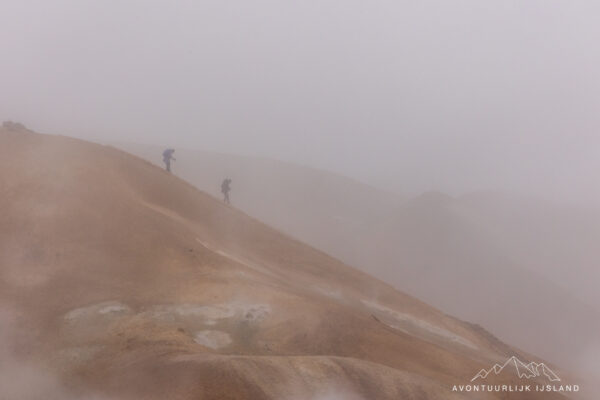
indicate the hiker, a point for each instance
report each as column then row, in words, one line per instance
column 225, row 190
column 167, row 157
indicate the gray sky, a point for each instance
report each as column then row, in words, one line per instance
column 415, row 95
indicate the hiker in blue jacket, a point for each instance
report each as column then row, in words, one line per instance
column 167, row 157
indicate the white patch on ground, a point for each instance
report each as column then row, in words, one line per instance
column 107, row 308
column 212, row 339
column 114, row 308
column 408, row 323
column 254, row 312
column 93, row 320
column 196, row 311
column 210, row 314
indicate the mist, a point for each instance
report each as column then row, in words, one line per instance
column 414, row 196
column 408, row 96
column 22, row 375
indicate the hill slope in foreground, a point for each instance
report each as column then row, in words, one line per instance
column 129, row 283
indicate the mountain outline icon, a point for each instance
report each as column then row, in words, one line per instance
column 523, row 370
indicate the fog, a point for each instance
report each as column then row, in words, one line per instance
column 448, row 148
column 409, row 96
column 22, row 376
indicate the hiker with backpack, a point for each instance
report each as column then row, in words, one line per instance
column 225, row 188
column 167, row 157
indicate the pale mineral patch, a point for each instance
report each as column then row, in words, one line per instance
column 210, row 314
column 407, row 322
column 107, row 308
column 212, row 339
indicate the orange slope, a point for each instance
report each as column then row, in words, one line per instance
column 129, row 282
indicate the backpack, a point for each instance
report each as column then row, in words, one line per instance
column 225, row 186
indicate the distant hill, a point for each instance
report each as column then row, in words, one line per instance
column 558, row 241
column 435, row 248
